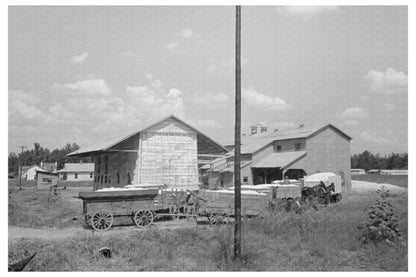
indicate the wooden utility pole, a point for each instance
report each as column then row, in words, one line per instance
column 237, row 142
column 21, row 166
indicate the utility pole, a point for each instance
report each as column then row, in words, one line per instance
column 21, row 166
column 237, row 142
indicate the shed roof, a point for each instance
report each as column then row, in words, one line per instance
column 78, row 167
column 253, row 143
column 205, row 144
column 280, row 159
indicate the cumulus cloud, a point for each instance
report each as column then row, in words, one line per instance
column 204, row 123
column 306, row 10
column 186, row 33
column 255, row 99
column 389, row 107
column 374, row 138
column 79, row 59
column 389, row 82
column 92, row 86
column 354, row 113
column 351, row 122
column 224, row 65
column 211, row 99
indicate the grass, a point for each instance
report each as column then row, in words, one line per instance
column 323, row 240
column 398, row 180
column 30, row 208
column 15, row 183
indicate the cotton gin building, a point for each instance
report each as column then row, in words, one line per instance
column 164, row 153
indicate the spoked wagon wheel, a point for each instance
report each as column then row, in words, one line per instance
column 143, row 218
column 218, row 218
column 102, row 221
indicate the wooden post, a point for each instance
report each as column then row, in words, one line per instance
column 237, row 149
column 21, row 166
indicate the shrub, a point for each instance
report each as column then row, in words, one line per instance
column 382, row 225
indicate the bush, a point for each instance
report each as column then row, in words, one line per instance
column 382, row 225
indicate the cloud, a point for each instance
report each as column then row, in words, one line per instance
column 171, row 46
column 255, row 99
column 306, row 10
column 374, row 138
column 186, row 33
column 211, row 99
column 205, row 123
column 389, row 82
column 92, row 86
column 79, row 59
column 354, row 113
column 351, row 122
column 389, row 107
column 225, row 65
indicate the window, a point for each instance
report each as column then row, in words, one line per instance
column 101, row 181
column 128, row 178
column 297, row 146
column 91, row 174
column 76, row 176
column 118, row 177
column 46, row 180
column 278, row 148
column 105, row 180
column 245, row 179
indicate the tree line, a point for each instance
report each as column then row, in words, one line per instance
column 368, row 160
column 39, row 154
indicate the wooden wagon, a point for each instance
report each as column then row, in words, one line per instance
column 143, row 206
column 100, row 208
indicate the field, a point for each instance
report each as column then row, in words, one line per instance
column 398, row 180
column 323, row 240
column 15, row 183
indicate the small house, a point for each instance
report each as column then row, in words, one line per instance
column 45, row 180
column 77, row 172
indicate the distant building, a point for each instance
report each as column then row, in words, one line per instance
column 51, row 167
column 45, row 180
column 357, row 171
column 291, row 153
column 394, row 172
column 77, row 172
column 29, row 172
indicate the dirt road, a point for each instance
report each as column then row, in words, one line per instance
column 64, row 233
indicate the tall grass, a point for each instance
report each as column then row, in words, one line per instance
column 323, row 240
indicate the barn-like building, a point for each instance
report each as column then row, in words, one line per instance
column 164, row 153
column 291, row 153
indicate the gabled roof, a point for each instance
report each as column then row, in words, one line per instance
column 253, row 143
column 36, row 167
column 78, row 167
column 201, row 138
column 279, row 159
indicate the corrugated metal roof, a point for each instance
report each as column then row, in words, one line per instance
column 110, row 143
column 252, row 143
column 229, row 167
column 78, row 167
column 281, row 159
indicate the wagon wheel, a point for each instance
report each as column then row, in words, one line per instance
column 218, row 218
column 102, row 221
column 143, row 218
column 174, row 211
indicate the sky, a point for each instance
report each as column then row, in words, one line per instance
column 88, row 74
